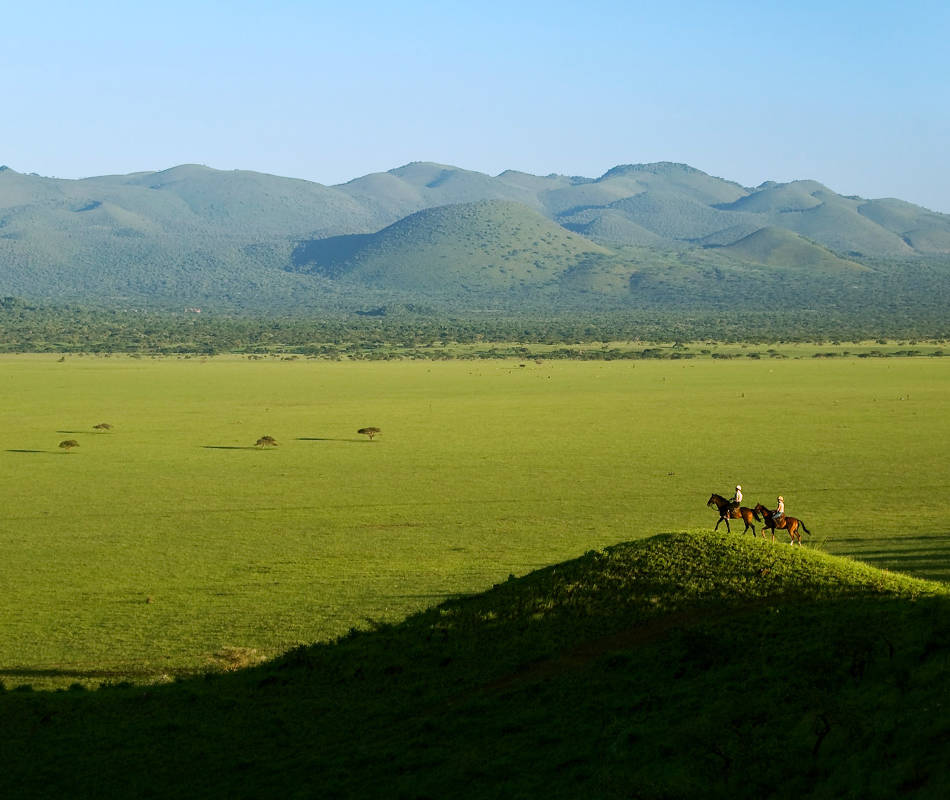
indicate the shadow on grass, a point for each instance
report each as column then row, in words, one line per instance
column 324, row 439
column 27, row 672
column 48, row 452
column 924, row 555
column 231, row 447
column 493, row 683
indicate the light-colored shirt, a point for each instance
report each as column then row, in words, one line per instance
column 738, row 497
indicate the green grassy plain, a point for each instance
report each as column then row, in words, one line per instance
column 171, row 545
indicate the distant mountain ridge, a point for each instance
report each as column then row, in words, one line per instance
column 199, row 235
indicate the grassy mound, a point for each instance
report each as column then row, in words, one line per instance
column 684, row 665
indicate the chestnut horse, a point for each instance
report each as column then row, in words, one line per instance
column 727, row 512
column 787, row 523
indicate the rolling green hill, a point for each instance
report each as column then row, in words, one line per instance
column 184, row 201
column 680, row 179
column 420, row 185
column 485, row 246
column 787, row 251
column 675, row 217
column 922, row 230
column 684, row 665
column 810, row 209
column 195, row 236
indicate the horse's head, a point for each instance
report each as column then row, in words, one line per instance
column 712, row 500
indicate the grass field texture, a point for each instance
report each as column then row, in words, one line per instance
column 170, row 544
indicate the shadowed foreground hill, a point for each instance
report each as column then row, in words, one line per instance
column 683, row 665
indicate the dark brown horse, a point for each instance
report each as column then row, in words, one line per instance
column 786, row 523
column 727, row 512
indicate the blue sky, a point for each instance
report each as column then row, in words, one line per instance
column 854, row 94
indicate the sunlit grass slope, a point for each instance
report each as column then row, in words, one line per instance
column 683, row 665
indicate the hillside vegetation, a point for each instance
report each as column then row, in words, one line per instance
column 483, row 246
column 646, row 235
column 787, row 251
column 682, row 665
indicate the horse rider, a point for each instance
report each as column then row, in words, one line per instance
column 779, row 514
column 736, row 499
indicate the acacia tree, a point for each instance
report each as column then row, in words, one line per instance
column 371, row 432
column 68, row 444
column 266, row 441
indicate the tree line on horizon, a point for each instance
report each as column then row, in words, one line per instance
column 374, row 332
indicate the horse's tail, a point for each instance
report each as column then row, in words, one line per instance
column 804, row 528
column 756, row 515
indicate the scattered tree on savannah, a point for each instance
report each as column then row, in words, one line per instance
column 266, row 441
column 102, row 426
column 68, row 444
column 371, row 432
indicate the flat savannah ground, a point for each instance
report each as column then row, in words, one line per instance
column 170, row 544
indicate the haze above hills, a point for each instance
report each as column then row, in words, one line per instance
column 657, row 235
